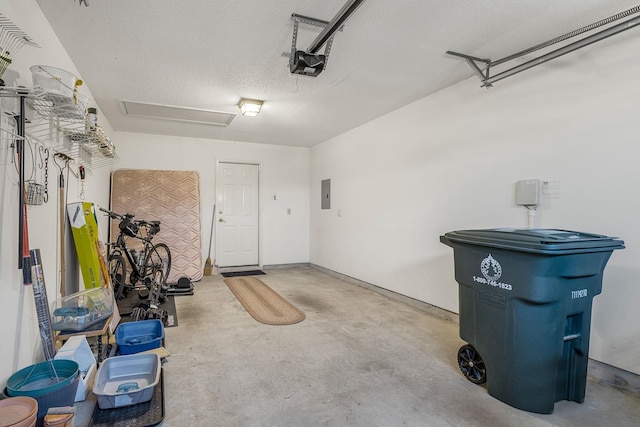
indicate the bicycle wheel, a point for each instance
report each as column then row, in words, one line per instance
column 159, row 255
column 118, row 274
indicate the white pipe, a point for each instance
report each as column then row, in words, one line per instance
column 532, row 216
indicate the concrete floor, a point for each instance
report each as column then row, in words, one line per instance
column 358, row 359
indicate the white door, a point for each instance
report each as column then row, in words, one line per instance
column 237, row 214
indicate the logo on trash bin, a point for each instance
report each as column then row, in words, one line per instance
column 496, row 269
column 492, row 271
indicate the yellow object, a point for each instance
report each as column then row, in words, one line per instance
column 84, row 228
column 58, row 420
column 160, row 351
column 102, row 259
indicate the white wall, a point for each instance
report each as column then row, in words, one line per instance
column 450, row 161
column 284, row 171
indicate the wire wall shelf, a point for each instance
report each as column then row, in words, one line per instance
column 58, row 122
column 61, row 122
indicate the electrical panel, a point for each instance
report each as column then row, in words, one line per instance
column 325, row 192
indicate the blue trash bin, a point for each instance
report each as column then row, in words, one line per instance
column 525, row 310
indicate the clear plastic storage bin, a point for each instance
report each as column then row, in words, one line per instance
column 81, row 310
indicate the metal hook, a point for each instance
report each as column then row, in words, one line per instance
column 64, row 158
column 41, row 151
column 70, row 170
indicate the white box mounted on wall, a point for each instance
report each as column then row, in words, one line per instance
column 528, row 192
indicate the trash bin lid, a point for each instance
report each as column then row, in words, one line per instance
column 540, row 240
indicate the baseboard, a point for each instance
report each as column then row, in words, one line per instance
column 293, row 265
column 598, row 372
column 608, row 375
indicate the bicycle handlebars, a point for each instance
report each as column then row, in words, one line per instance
column 140, row 222
column 114, row 215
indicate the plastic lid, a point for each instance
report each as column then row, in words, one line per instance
column 535, row 240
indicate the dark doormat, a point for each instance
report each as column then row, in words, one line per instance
column 242, row 273
column 132, row 301
column 150, row 413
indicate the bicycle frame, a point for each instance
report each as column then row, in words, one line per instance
column 137, row 265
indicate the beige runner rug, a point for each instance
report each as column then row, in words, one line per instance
column 263, row 303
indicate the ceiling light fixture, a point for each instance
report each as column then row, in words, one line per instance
column 250, row 107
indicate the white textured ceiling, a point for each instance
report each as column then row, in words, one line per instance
column 207, row 54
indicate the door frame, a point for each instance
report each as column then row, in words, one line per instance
column 260, row 221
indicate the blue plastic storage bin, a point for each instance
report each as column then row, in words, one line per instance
column 134, row 337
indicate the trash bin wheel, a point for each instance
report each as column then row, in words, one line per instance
column 471, row 364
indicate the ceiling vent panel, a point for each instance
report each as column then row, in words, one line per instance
column 179, row 114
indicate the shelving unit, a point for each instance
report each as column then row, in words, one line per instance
column 61, row 123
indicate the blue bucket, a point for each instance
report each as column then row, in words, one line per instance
column 43, row 378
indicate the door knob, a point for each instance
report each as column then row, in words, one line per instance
column 220, row 220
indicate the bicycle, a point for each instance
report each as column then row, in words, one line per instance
column 150, row 265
